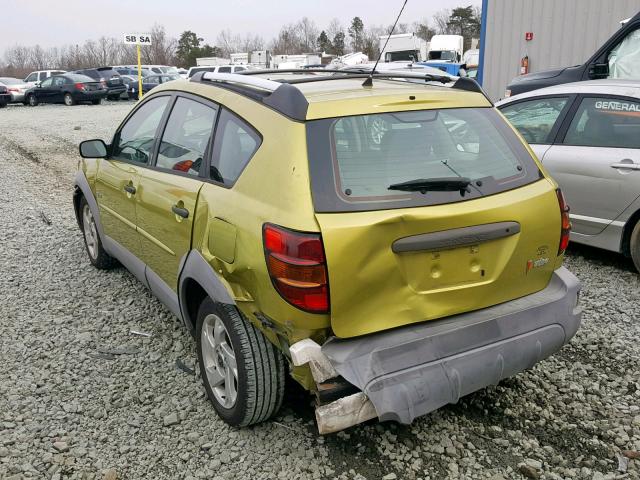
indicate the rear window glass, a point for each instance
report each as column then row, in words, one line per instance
column 76, row 77
column 365, row 155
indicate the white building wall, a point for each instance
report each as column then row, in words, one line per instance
column 565, row 33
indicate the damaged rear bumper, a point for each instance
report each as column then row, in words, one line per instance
column 413, row 370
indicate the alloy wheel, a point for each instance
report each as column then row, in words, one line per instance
column 90, row 231
column 219, row 361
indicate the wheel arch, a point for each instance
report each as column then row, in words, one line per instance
column 198, row 281
column 625, row 246
column 82, row 188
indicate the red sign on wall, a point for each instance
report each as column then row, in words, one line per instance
column 528, row 36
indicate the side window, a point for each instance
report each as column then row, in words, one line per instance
column 224, row 70
column 605, row 122
column 135, row 141
column 43, row 75
column 240, row 69
column 186, row 136
column 58, row 81
column 624, row 59
column 153, row 80
column 234, row 145
column 32, row 78
column 47, row 83
column 535, row 119
column 156, row 70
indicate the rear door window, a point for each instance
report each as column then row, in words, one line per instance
column 235, row 143
column 365, row 155
column 33, row 77
column 535, row 119
column 186, row 136
column 224, row 70
column 605, row 122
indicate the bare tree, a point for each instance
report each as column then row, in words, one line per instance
column 441, row 21
column 308, row 32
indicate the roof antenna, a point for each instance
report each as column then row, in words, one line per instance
column 369, row 81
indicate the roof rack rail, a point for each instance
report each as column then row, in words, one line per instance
column 284, row 97
column 280, row 96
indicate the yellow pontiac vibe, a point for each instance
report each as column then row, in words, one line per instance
column 388, row 240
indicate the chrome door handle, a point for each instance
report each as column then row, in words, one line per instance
column 182, row 212
column 130, row 189
column 626, row 164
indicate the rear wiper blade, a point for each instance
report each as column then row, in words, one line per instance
column 444, row 184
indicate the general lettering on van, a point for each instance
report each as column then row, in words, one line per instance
column 618, row 106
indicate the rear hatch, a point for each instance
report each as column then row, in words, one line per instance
column 428, row 249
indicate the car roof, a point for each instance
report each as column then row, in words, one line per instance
column 623, row 87
column 343, row 97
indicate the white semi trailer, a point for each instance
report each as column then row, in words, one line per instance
column 403, row 47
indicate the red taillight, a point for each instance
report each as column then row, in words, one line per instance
column 13, row 89
column 183, row 165
column 80, row 86
column 565, row 229
column 297, row 267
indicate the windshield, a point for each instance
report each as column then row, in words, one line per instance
column 442, row 55
column 370, row 153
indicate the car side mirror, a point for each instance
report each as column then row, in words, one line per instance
column 93, row 149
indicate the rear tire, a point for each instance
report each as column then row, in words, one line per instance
column 634, row 246
column 3, row 105
column 224, row 339
column 96, row 102
column 32, row 100
column 98, row 257
column 68, row 100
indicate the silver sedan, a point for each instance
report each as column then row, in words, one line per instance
column 587, row 135
column 16, row 88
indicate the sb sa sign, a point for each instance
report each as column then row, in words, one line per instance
column 137, row 39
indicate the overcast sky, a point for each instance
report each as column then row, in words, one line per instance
column 51, row 23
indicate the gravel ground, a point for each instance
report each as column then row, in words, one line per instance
column 83, row 397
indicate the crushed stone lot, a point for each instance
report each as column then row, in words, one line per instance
column 82, row 397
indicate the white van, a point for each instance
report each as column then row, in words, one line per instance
column 218, row 69
column 39, row 75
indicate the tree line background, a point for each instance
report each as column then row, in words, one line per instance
column 303, row 36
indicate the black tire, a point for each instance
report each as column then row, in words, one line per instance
column 98, row 257
column 634, row 246
column 32, row 100
column 69, row 100
column 3, row 105
column 260, row 367
column 96, row 102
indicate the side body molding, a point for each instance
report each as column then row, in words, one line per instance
column 196, row 268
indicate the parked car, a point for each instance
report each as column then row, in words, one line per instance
column 217, row 69
column 183, row 73
column 261, row 213
column 130, row 81
column 5, row 96
column 132, row 71
column 109, row 78
column 16, row 89
column 150, row 82
column 70, row 89
column 618, row 58
column 587, row 135
column 39, row 75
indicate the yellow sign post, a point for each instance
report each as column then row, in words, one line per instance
column 139, row 74
column 138, row 39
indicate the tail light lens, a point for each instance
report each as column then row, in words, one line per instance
column 566, row 223
column 297, row 267
column 80, row 86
